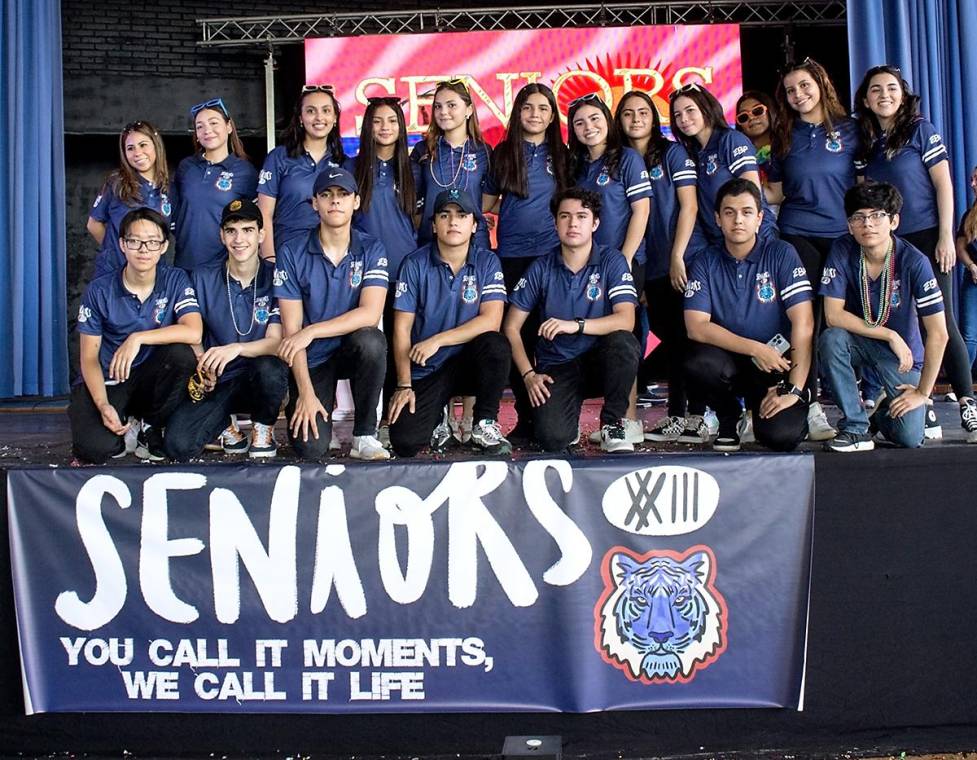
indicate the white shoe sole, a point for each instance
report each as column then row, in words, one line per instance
column 933, row 433
column 821, row 434
column 860, row 446
column 357, row 454
column 262, row 454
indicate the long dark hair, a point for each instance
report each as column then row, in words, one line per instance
column 577, row 151
column 969, row 224
column 510, row 161
column 367, row 159
column 125, row 180
column 868, row 123
column 458, row 87
column 657, row 142
column 293, row 138
column 709, row 107
column 760, row 97
column 234, row 144
column 831, row 106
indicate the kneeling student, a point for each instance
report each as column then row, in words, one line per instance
column 137, row 325
column 876, row 287
column 447, row 311
column 240, row 368
column 331, row 285
column 586, row 299
column 743, row 299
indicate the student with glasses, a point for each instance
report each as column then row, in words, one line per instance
column 877, row 288
column 217, row 173
column 452, row 156
column 141, row 181
column 310, row 143
column 902, row 148
column 720, row 153
column 813, row 165
column 529, row 167
column 137, row 326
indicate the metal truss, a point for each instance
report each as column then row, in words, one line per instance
column 280, row 30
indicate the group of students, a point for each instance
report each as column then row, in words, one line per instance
column 277, row 299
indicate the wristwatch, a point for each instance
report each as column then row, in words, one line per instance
column 784, row 388
column 580, row 324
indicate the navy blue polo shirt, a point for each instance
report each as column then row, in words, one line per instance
column 816, row 172
column 109, row 209
column 303, row 273
column 675, row 170
column 727, row 155
column 441, row 300
column 203, row 189
column 464, row 168
column 593, row 292
column 749, row 297
column 289, row 181
column 908, row 170
column 111, row 311
column 254, row 308
column 914, row 288
column 385, row 219
column 526, row 227
column 616, row 196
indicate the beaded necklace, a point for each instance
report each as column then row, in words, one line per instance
column 254, row 299
column 456, row 173
column 885, row 288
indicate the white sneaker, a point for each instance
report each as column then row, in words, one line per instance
column 233, row 441
column 744, row 428
column 968, row 419
column 695, row 431
column 634, row 431
column 933, row 430
column 818, row 428
column 368, row 447
column 487, row 436
column 442, row 435
column 666, row 430
column 613, row 438
column 263, row 442
column 711, row 420
column 131, row 438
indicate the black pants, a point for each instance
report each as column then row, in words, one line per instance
column 608, row 369
column 813, row 252
column 512, row 271
column 956, row 362
column 362, row 359
column 721, row 377
column 480, row 369
column 258, row 390
column 152, row 392
column 666, row 317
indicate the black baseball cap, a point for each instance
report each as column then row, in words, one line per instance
column 242, row 210
column 334, row 176
column 460, row 198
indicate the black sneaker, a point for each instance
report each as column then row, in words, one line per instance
column 933, row 430
column 727, row 442
column 968, row 419
column 846, row 441
column 149, row 444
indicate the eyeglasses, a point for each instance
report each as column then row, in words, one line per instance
column 328, row 88
column 744, row 116
column 588, row 98
column 860, row 220
column 135, row 244
column 216, row 103
column 453, row 83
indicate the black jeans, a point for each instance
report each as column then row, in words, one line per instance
column 666, row 317
column 512, row 271
column 813, row 252
column 153, row 391
column 956, row 362
column 258, row 390
column 721, row 376
column 480, row 369
column 362, row 359
column 608, row 369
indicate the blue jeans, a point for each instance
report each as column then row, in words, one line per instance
column 841, row 353
column 968, row 316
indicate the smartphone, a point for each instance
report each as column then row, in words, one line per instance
column 778, row 343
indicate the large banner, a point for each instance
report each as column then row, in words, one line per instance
column 631, row 583
column 495, row 65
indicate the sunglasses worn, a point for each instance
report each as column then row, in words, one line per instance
column 306, row 89
column 216, row 103
column 744, row 116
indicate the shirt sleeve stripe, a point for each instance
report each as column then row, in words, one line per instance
column 794, row 291
column 640, row 187
column 685, row 174
column 934, row 152
column 930, row 299
column 381, row 272
column 796, row 287
column 185, row 303
column 741, row 162
column 622, row 289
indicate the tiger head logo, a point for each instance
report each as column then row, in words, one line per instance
column 660, row 618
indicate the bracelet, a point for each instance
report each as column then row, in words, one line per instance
column 531, row 369
column 403, row 388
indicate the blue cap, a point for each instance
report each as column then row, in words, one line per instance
column 334, row 176
column 460, row 198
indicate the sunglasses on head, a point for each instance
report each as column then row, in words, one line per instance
column 384, row 100
column 590, row 97
column 216, row 103
column 744, row 116
column 690, row 87
column 453, row 83
column 318, row 88
column 132, row 126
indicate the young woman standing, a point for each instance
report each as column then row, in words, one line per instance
column 899, row 146
column 217, row 173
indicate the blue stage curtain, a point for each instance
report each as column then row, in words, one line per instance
column 33, row 322
column 933, row 42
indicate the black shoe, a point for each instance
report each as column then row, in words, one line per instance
column 149, row 444
column 727, row 442
column 846, row 441
column 521, row 435
column 933, row 430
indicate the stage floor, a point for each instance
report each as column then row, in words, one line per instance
column 43, row 437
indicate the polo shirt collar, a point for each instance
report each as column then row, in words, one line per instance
column 435, row 254
column 753, row 256
column 596, row 254
column 314, row 245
